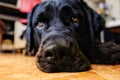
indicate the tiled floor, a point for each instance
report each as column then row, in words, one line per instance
column 19, row 67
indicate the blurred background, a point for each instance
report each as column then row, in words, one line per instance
column 13, row 20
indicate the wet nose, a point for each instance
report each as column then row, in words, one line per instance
column 55, row 47
column 55, row 51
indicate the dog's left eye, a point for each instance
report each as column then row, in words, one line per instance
column 75, row 19
column 40, row 25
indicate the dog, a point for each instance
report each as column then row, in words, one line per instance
column 64, row 36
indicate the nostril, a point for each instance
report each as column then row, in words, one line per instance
column 71, row 44
column 62, row 54
column 48, row 54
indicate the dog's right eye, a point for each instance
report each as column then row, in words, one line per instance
column 75, row 19
column 40, row 25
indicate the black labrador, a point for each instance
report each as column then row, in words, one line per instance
column 64, row 35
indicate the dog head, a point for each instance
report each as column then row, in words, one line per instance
column 61, row 33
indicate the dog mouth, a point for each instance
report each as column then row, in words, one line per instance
column 68, row 63
column 46, row 66
column 55, row 63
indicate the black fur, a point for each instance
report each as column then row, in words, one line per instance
column 64, row 45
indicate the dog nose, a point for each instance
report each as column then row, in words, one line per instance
column 55, row 47
column 55, row 51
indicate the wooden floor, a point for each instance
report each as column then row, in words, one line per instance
column 19, row 67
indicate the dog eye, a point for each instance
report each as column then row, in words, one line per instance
column 40, row 25
column 75, row 19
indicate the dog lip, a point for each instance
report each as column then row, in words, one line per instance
column 46, row 61
column 42, row 68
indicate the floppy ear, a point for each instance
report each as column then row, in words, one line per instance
column 95, row 22
column 30, row 46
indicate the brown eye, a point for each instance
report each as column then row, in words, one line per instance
column 40, row 24
column 75, row 19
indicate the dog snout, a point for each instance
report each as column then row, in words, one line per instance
column 58, row 52
column 57, row 47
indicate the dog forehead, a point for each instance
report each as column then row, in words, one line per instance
column 59, row 3
column 49, row 5
column 53, row 7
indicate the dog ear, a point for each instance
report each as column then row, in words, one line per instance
column 95, row 22
column 30, row 46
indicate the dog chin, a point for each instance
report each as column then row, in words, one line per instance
column 51, row 68
column 47, row 68
column 71, row 66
